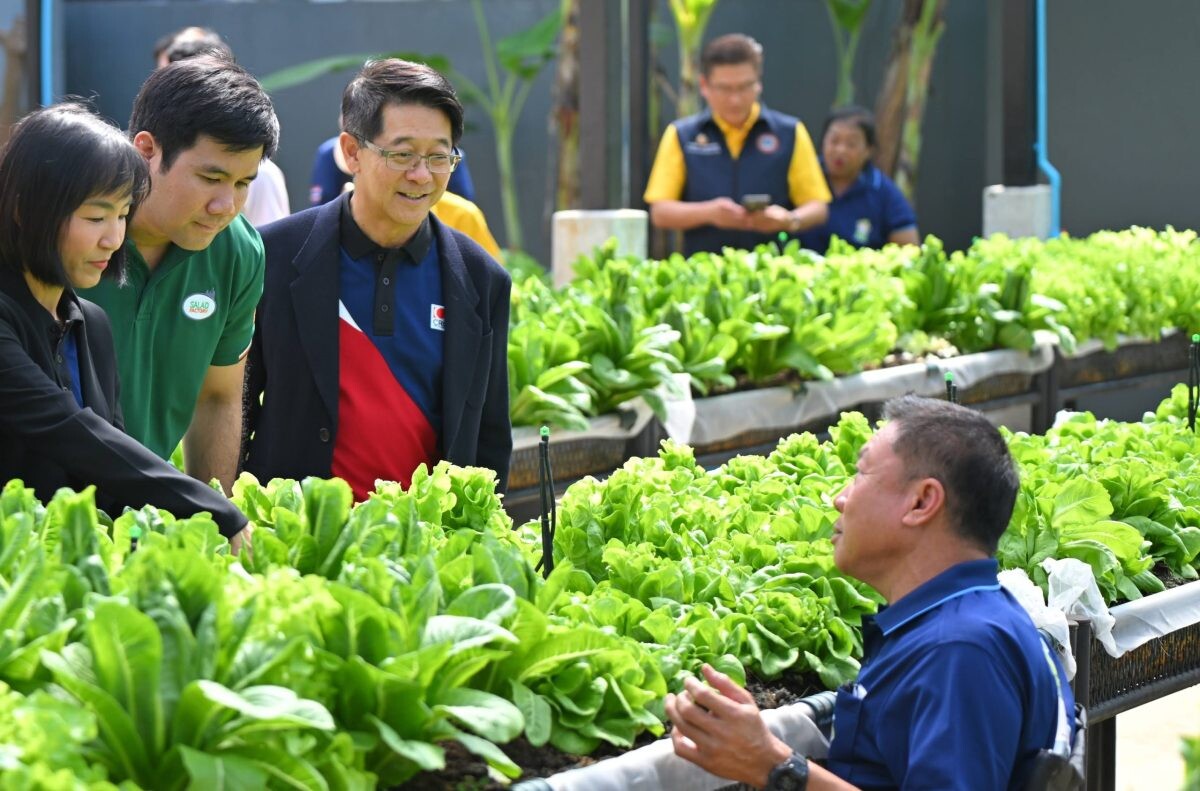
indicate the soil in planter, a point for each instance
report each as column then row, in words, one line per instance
column 466, row 772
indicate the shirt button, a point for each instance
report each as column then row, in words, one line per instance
column 384, row 308
column 387, row 281
column 59, row 358
column 323, row 434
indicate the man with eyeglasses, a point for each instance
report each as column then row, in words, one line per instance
column 738, row 173
column 382, row 335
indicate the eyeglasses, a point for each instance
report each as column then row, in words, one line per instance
column 731, row 90
column 404, row 161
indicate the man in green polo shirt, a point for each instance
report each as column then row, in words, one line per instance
column 184, row 319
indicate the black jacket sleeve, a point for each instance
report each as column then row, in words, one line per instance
column 495, row 425
column 35, row 412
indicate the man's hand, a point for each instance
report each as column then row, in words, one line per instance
column 719, row 729
column 241, row 540
column 772, row 219
column 727, row 213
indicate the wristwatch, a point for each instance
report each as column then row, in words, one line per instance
column 794, row 223
column 790, row 775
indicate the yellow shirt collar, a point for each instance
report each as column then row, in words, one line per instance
column 735, row 136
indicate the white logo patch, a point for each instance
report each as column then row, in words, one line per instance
column 862, row 231
column 437, row 318
column 200, row 306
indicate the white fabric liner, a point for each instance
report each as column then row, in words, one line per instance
column 1139, row 622
column 719, row 418
column 1092, row 346
column 655, row 767
column 722, row 417
column 607, row 426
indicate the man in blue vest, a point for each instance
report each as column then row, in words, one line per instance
column 737, row 174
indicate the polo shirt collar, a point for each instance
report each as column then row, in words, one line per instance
column 173, row 256
column 867, row 178
column 356, row 242
column 728, row 129
column 973, row 575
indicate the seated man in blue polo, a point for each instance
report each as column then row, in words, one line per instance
column 868, row 209
column 737, row 174
column 957, row 688
column 382, row 336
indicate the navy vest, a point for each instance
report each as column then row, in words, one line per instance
column 711, row 172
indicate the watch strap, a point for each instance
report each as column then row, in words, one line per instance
column 789, row 775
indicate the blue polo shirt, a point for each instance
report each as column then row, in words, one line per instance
column 955, row 691
column 391, row 330
column 865, row 215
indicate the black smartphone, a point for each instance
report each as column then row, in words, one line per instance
column 756, row 201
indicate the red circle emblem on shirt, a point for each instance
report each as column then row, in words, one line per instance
column 439, row 312
column 768, row 143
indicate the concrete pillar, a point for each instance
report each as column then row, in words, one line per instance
column 578, row 232
column 1017, row 211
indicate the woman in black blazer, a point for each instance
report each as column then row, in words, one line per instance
column 68, row 183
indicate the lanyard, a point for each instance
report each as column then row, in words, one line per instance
column 1062, row 731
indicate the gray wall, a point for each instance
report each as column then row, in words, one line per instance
column 1124, row 115
column 1123, row 97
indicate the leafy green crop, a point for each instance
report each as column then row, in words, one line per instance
column 1109, row 493
column 625, row 326
column 41, row 744
column 731, row 567
column 358, row 641
column 1191, row 763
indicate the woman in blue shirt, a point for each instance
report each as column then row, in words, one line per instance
column 868, row 209
column 68, row 184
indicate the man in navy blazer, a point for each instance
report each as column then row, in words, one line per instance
column 382, row 335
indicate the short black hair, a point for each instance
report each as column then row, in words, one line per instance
column 732, row 49
column 960, row 448
column 395, row 81
column 861, row 117
column 205, row 95
column 56, row 159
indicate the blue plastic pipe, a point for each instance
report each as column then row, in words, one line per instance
column 1039, row 147
column 46, row 29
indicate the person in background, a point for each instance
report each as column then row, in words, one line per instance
column 267, row 200
column 465, row 217
column 957, row 688
column 330, row 177
column 189, row 42
column 736, row 174
column 184, row 318
column 68, row 184
column 382, row 337
column 868, row 209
